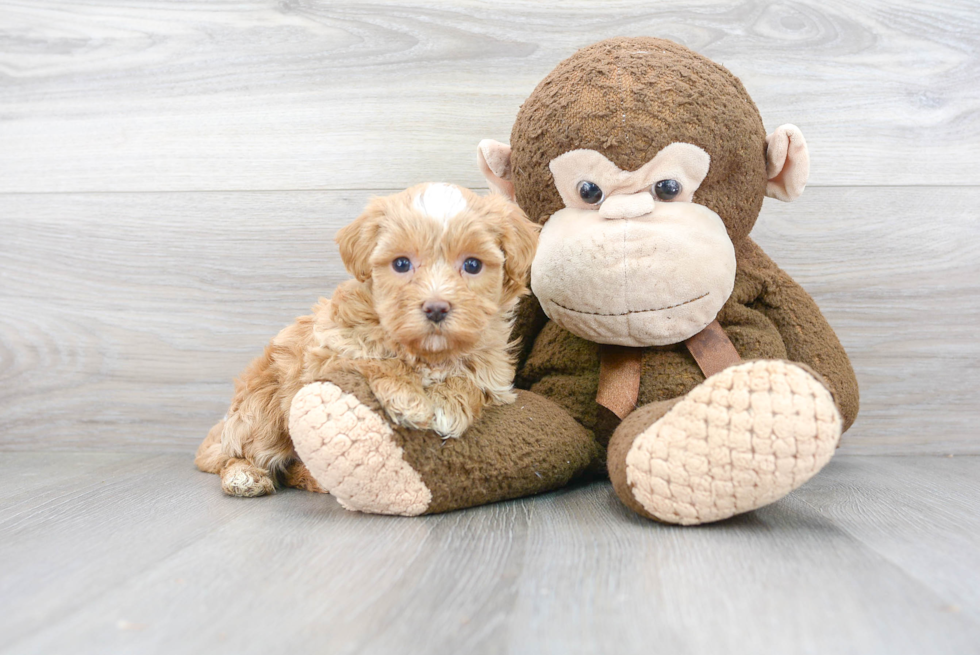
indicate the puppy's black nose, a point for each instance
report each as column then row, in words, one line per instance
column 436, row 310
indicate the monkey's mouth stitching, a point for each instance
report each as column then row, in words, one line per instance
column 638, row 311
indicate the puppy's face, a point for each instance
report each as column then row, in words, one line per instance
column 442, row 263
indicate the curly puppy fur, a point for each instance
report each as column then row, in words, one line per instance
column 426, row 327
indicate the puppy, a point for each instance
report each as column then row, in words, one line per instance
column 438, row 271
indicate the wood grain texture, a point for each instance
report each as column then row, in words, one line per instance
column 899, row 507
column 143, row 554
column 115, row 325
column 124, row 317
column 311, row 94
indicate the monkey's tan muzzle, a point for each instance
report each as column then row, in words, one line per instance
column 652, row 280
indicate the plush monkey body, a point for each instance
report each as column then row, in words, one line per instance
column 565, row 368
column 633, row 133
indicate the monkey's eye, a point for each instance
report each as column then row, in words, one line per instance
column 472, row 265
column 590, row 192
column 667, row 189
column 402, row 265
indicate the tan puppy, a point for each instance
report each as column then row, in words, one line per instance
column 438, row 271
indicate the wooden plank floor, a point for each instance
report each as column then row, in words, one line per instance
column 106, row 553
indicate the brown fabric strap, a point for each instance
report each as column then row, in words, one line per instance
column 619, row 379
column 712, row 349
column 619, row 367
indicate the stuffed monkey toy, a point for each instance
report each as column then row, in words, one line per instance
column 661, row 345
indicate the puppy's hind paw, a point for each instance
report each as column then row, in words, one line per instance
column 240, row 478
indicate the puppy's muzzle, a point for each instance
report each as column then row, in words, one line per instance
column 436, row 310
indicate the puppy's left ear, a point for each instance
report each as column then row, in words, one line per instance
column 518, row 241
column 357, row 240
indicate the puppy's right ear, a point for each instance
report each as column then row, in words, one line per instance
column 519, row 241
column 357, row 240
column 493, row 158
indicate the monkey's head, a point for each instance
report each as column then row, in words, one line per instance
column 647, row 164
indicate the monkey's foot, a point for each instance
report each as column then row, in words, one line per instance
column 350, row 450
column 742, row 439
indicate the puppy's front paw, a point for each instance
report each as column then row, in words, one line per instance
column 405, row 407
column 457, row 404
column 412, row 420
column 409, row 416
column 449, row 422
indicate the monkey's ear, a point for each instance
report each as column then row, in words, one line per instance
column 519, row 241
column 493, row 158
column 787, row 163
column 357, row 240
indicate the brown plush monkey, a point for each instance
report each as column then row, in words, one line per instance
column 699, row 374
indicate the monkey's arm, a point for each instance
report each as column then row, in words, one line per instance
column 808, row 337
column 529, row 319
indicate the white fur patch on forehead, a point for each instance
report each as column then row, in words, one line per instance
column 441, row 201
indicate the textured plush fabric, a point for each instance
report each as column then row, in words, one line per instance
column 788, row 164
column 620, row 368
column 683, row 162
column 350, row 449
column 712, row 349
column 629, row 98
column 608, row 281
column 493, row 159
column 768, row 316
column 620, row 445
column 353, row 452
column 745, row 437
column 513, row 451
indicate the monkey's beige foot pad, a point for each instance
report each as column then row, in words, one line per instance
column 742, row 439
column 350, row 450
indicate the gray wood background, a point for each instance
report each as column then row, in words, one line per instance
column 172, row 174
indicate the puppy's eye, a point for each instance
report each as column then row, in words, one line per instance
column 590, row 192
column 472, row 265
column 402, row 265
column 667, row 189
